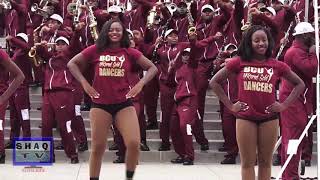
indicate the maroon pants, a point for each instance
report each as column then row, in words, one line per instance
column 138, row 105
column 307, row 146
column 78, row 127
column 166, row 103
column 203, row 72
column 3, row 108
column 19, row 113
column 229, row 131
column 183, row 119
column 151, row 94
column 59, row 105
column 294, row 120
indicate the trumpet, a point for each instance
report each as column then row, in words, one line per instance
column 75, row 10
column 151, row 17
column 6, row 4
column 172, row 7
column 93, row 24
column 44, row 12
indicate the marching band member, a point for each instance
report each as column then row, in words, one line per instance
column 184, row 113
column 207, row 26
column 301, row 58
column 228, row 118
column 136, row 19
column 54, row 29
column 19, row 102
column 7, row 67
column 58, row 101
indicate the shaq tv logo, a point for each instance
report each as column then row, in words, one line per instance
column 33, row 151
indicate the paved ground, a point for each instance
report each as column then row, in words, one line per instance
column 145, row 171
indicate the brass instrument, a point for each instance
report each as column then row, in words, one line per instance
column 75, row 10
column 6, row 4
column 33, row 55
column 151, row 17
column 248, row 24
column 93, row 24
column 33, row 50
column 172, row 7
column 45, row 11
column 43, row 3
column 191, row 26
column 286, row 36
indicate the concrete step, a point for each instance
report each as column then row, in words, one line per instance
column 208, row 124
column 211, row 156
column 209, row 115
column 38, row 91
column 154, row 144
column 147, row 156
column 151, row 134
column 208, row 107
column 209, row 99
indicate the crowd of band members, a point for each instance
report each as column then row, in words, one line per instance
column 218, row 33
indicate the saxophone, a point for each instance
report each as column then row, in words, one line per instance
column 93, row 24
column 37, row 61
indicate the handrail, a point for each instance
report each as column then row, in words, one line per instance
column 304, row 133
column 316, row 24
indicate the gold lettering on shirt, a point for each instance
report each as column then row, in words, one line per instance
column 111, row 72
column 111, row 66
column 257, row 86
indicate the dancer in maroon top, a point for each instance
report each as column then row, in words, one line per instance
column 111, row 94
column 257, row 109
column 7, row 66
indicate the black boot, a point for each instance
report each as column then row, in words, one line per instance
column 144, row 146
column 187, row 162
column 9, row 145
column 152, row 125
column 83, row 147
column 204, row 147
column 229, row 160
column 277, row 161
column 222, row 149
column 307, row 163
column 164, row 147
column 85, row 107
column 2, row 158
column 120, row 159
column 59, row 147
column 74, row 160
column 113, row 147
column 178, row 160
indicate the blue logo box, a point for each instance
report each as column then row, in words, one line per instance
column 33, row 151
